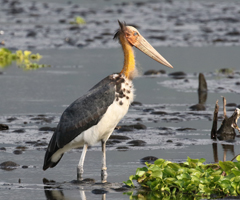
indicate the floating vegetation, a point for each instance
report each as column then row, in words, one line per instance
column 23, row 59
column 78, row 20
column 167, row 179
column 226, row 71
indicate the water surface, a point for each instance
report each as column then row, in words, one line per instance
column 45, row 93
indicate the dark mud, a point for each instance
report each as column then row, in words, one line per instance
column 39, row 25
column 217, row 82
column 36, row 132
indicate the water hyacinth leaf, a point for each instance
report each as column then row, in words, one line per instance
column 216, row 178
column 226, row 166
column 238, row 189
column 35, row 56
column 159, row 162
column 237, row 164
column 157, row 174
column 154, row 168
column 217, row 172
column 78, row 21
column 225, row 184
column 236, row 179
column 184, row 176
column 141, row 178
column 182, row 170
column 169, row 172
column 174, row 166
column 178, row 178
column 129, row 183
column 170, row 180
column 194, row 178
column 236, row 172
column 238, row 158
column 141, row 171
column 202, row 160
column 179, row 183
column 27, row 53
column 194, row 171
column 23, row 59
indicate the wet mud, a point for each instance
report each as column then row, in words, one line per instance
column 150, row 127
column 39, row 25
column 172, row 130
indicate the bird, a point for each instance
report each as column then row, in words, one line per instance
column 93, row 117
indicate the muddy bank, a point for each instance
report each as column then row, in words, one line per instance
column 38, row 25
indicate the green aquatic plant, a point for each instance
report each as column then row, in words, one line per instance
column 225, row 71
column 23, row 59
column 78, row 20
column 193, row 177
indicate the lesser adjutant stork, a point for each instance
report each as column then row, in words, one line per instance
column 93, row 117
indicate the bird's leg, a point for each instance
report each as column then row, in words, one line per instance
column 81, row 162
column 104, row 166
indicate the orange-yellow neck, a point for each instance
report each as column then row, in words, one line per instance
column 129, row 60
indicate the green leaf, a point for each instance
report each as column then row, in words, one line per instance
column 238, row 158
column 216, row 178
column 226, row 166
column 168, row 179
column 140, row 172
column 184, row 176
column 237, row 164
column 235, row 179
column 159, row 162
column 195, row 178
column 217, row 172
column 202, row 160
column 157, row 174
column 225, row 184
column 174, row 166
column 236, row 172
column 129, row 183
column 169, row 172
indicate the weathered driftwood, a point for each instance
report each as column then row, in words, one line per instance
column 202, row 94
column 228, row 126
column 214, row 126
column 202, row 83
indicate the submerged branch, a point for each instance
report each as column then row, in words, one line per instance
column 228, row 124
column 214, row 126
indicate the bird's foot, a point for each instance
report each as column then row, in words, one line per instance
column 79, row 173
column 104, row 175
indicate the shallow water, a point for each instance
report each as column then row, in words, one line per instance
column 34, row 99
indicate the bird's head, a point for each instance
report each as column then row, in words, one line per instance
column 134, row 38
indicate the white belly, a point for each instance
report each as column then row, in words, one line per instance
column 104, row 128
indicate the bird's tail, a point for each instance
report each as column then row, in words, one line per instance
column 52, row 148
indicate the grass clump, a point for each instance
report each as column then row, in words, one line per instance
column 192, row 177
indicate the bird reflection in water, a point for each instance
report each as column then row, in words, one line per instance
column 54, row 191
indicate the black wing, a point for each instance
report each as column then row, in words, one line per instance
column 85, row 112
column 82, row 114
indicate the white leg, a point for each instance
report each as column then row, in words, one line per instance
column 104, row 166
column 81, row 162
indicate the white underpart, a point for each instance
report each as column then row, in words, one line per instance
column 105, row 126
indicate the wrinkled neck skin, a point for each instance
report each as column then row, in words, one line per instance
column 129, row 60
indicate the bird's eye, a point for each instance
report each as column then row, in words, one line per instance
column 135, row 33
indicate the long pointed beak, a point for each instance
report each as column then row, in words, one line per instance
column 143, row 45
